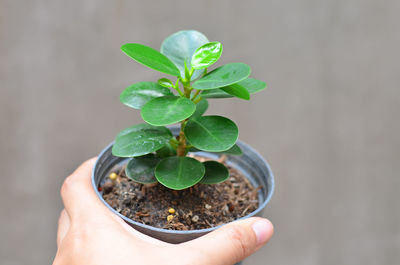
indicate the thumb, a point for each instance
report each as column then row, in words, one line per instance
column 232, row 242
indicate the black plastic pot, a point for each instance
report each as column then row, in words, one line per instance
column 250, row 164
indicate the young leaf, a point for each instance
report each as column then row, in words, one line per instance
column 136, row 95
column 179, row 172
column 201, row 108
column 237, row 91
column 180, row 46
column 167, row 110
column 252, row 85
column 165, row 82
column 150, row 58
column 141, row 169
column 225, row 75
column 206, row 55
column 211, row 133
column 215, row 173
column 140, row 139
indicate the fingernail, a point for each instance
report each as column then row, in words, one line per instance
column 262, row 229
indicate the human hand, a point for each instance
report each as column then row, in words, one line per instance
column 89, row 233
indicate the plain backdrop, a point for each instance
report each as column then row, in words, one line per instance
column 328, row 123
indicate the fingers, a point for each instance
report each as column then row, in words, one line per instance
column 232, row 242
column 63, row 227
column 84, row 208
column 78, row 195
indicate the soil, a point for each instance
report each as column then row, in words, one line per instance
column 199, row 207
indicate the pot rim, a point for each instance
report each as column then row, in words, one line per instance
column 196, row 231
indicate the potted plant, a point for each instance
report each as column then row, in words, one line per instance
column 177, row 183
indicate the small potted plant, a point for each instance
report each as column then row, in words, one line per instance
column 177, row 183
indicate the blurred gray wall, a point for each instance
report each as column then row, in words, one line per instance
column 328, row 123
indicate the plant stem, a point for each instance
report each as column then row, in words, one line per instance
column 196, row 94
column 181, row 150
column 177, row 88
column 197, row 100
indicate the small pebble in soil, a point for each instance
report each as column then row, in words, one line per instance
column 171, row 210
column 195, row 219
column 170, row 217
column 113, row 176
column 208, row 207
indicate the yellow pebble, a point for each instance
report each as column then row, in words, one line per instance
column 169, row 218
column 171, row 210
column 113, row 176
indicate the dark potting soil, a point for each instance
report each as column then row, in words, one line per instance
column 199, row 207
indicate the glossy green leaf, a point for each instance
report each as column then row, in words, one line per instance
column 166, row 150
column 167, row 110
column 140, row 139
column 179, row 172
column 136, row 95
column 215, row 173
column 211, row 133
column 165, row 82
column 237, row 91
column 234, row 150
column 225, row 75
column 180, row 46
column 215, row 93
column 252, row 85
column 206, row 55
column 201, row 108
column 150, row 58
column 141, row 169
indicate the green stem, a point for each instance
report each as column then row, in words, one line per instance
column 196, row 94
column 177, row 88
column 181, row 150
column 197, row 100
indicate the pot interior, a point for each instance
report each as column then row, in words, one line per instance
column 250, row 164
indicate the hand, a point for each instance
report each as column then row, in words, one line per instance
column 89, row 233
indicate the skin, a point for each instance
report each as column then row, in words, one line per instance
column 89, row 233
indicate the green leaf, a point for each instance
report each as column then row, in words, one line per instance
column 215, row 93
column 165, row 82
column 141, row 169
column 237, row 91
column 215, row 173
column 225, row 75
column 206, row 55
column 211, row 133
column 167, row 110
column 136, row 95
column 179, row 172
column 166, row 150
column 201, row 108
column 150, row 58
column 252, row 85
column 180, row 46
column 234, row 150
column 140, row 139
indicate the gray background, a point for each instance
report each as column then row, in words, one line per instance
column 328, row 123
